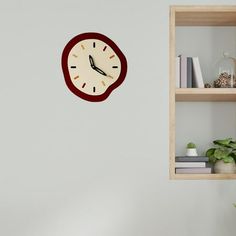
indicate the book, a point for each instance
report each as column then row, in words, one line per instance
column 189, row 164
column 206, row 170
column 183, row 71
column 189, row 72
column 191, row 159
column 197, row 73
column 177, row 72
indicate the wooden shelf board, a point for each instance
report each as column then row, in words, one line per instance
column 205, row 94
column 204, row 176
column 205, row 15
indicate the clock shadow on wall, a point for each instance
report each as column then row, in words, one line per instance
column 93, row 66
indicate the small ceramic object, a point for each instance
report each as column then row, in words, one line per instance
column 191, row 152
column 191, row 149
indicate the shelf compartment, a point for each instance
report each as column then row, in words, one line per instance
column 205, row 94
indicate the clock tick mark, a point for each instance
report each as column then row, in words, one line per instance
column 103, row 83
column 112, row 56
column 76, row 77
column 109, row 76
column 94, row 44
column 114, row 66
column 83, row 85
column 73, row 67
column 74, row 55
column 82, row 46
column 104, row 49
column 94, row 89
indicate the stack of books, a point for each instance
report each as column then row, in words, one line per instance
column 188, row 72
column 192, row 165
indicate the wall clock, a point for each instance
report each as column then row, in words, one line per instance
column 93, row 66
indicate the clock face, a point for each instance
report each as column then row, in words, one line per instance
column 93, row 66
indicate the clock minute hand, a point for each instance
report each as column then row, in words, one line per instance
column 91, row 62
column 100, row 71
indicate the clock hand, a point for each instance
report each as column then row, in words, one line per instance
column 91, row 62
column 99, row 71
column 94, row 67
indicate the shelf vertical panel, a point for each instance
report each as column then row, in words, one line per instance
column 172, row 93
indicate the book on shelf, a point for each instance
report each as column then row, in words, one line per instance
column 188, row 72
column 201, row 170
column 183, row 71
column 190, row 164
column 177, row 72
column 197, row 73
column 191, row 159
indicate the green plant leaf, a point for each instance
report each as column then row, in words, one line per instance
column 212, row 159
column 228, row 159
column 191, row 145
column 210, row 152
column 221, row 153
column 223, row 142
column 233, row 154
column 232, row 145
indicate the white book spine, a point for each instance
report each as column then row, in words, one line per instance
column 189, row 164
column 197, row 73
column 177, row 72
column 183, row 71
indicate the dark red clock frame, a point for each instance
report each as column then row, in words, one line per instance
column 64, row 61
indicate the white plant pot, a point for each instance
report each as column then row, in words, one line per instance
column 191, row 152
column 224, row 168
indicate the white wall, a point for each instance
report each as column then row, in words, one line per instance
column 69, row 167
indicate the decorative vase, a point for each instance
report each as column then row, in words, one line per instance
column 191, row 152
column 221, row 167
column 225, row 72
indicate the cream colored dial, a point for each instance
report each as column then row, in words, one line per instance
column 93, row 66
column 88, row 77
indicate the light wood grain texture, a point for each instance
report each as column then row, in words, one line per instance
column 205, row 15
column 204, row 176
column 195, row 16
column 209, row 94
column 172, row 95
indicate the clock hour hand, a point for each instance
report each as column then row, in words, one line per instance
column 91, row 62
column 94, row 67
column 100, row 71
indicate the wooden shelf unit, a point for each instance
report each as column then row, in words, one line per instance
column 195, row 16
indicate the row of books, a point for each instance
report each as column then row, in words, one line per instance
column 188, row 72
column 192, row 165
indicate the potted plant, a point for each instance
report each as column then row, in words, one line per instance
column 191, row 149
column 223, row 155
